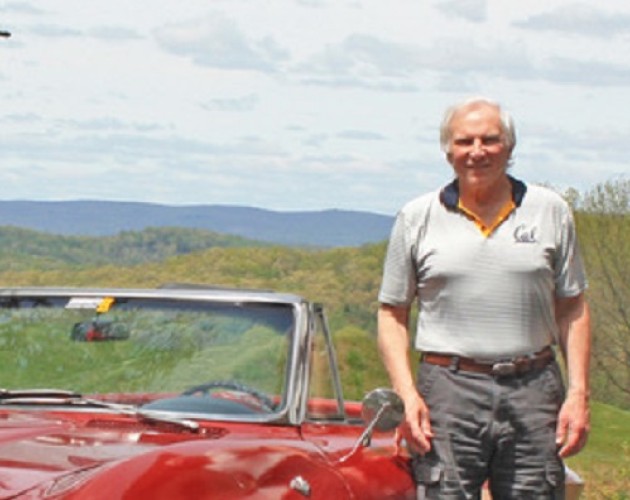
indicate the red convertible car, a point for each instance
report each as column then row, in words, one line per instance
column 205, row 393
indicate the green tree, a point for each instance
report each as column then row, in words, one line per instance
column 604, row 221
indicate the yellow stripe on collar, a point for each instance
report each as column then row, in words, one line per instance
column 487, row 230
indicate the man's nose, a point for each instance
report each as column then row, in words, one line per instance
column 477, row 147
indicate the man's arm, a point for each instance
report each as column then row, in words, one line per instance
column 393, row 343
column 573, row 319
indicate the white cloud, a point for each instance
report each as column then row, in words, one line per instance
column 360, row 135
column 113, row 33
column 579, row 19
column 591, row 73
column 363, row 55
column 475, row 11
column 55, row 31
column 299, row 104
column 21, row 8
column 239, row 104
column 216, row 41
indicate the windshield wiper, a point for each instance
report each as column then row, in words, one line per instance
column 8, row 394
column 133, row 411
column 71, row 398
column 153, row 416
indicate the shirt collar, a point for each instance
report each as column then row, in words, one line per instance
column 449, row 195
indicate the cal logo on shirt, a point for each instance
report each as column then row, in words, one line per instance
column 524, row 234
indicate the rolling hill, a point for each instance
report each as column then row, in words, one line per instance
column 328, row 228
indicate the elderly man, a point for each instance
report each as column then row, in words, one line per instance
column 495, row 268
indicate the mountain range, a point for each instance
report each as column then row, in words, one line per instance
column 326, row 228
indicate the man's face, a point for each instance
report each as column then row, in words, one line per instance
column 477, row 148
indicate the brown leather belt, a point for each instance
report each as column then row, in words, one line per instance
column 508, row 367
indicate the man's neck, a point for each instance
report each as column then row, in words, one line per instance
column 486, row 202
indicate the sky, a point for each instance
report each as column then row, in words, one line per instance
column 300, row 105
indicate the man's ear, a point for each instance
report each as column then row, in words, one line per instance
column 449, row 158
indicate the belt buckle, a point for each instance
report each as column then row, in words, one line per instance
column 503, row 368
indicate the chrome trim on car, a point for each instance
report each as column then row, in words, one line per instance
column 301, row 485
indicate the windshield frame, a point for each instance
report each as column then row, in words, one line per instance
column 294, row 375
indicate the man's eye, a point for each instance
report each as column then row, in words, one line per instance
column 464, row 142
column 488, row 140
column 491, row 140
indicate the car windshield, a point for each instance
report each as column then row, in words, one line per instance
column 184, row 355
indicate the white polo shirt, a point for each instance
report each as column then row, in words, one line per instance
column 483, row 296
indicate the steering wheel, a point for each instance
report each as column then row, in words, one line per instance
column 204, row 390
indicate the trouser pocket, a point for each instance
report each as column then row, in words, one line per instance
column 555, row 479
column 428, row 474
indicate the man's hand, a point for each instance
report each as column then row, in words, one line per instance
column 393, row 343
column 416, row 429
column 573, row 319
column 573, row 424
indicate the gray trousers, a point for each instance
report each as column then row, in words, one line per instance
column 500, row 429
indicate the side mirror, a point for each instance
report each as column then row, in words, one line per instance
column 383, row 410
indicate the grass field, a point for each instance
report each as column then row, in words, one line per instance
column 605, row 462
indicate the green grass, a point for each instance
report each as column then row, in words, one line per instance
column 605, row 462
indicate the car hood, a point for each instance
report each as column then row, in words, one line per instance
column 37, row 448
column 104, row 457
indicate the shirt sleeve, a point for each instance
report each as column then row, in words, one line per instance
column 569, row 272
column 398, row 286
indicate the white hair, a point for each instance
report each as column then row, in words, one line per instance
column 507, row 124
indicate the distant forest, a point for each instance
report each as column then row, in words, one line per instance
column 345, row 280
